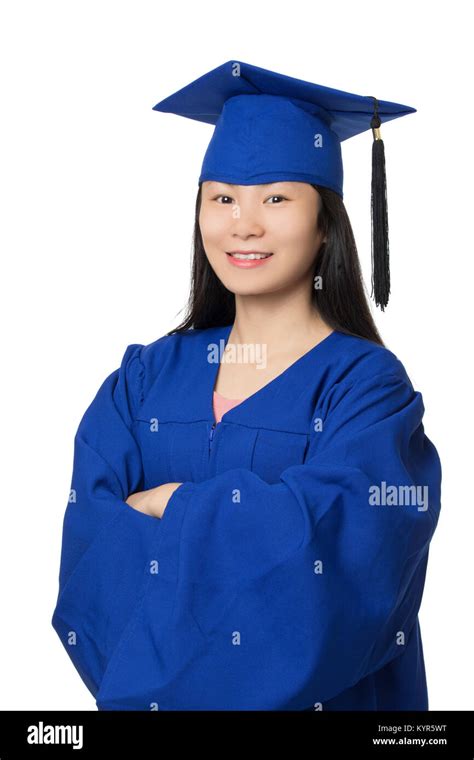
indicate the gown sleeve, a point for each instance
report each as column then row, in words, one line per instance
column 277, row 596
column 105, row 542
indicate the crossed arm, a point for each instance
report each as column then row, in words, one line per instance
column 154, row 500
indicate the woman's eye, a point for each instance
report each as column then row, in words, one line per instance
column 230, row 199
column 277, row 196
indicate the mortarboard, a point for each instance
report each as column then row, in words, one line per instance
column 291, row 132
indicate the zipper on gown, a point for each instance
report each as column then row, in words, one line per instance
column 211, row 435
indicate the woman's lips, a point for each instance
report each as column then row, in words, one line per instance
column 247, row 263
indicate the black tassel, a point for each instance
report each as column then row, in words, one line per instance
column 379, row 217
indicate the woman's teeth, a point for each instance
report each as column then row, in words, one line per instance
column 250, row 255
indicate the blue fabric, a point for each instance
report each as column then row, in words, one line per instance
column 270, row 127
column 271, row 582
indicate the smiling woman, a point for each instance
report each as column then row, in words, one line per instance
column 289, row 222
column 308, row 233
column 239, row 561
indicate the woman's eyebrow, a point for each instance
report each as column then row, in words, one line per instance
column 227, row 184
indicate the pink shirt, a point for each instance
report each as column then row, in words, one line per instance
column 221, row 405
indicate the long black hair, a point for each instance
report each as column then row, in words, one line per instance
column 341, row 302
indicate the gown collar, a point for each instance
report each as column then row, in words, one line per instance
column 185, row 387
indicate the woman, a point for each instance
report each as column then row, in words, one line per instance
column 281, row 300
column 249, row 528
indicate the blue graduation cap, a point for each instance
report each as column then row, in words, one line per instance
column 270, row 127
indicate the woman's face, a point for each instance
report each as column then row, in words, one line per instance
column 279, row 218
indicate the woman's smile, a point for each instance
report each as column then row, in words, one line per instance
column 247, row 260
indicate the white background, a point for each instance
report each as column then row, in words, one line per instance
column 97, row 206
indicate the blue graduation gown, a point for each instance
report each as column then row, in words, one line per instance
column 288, row 569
